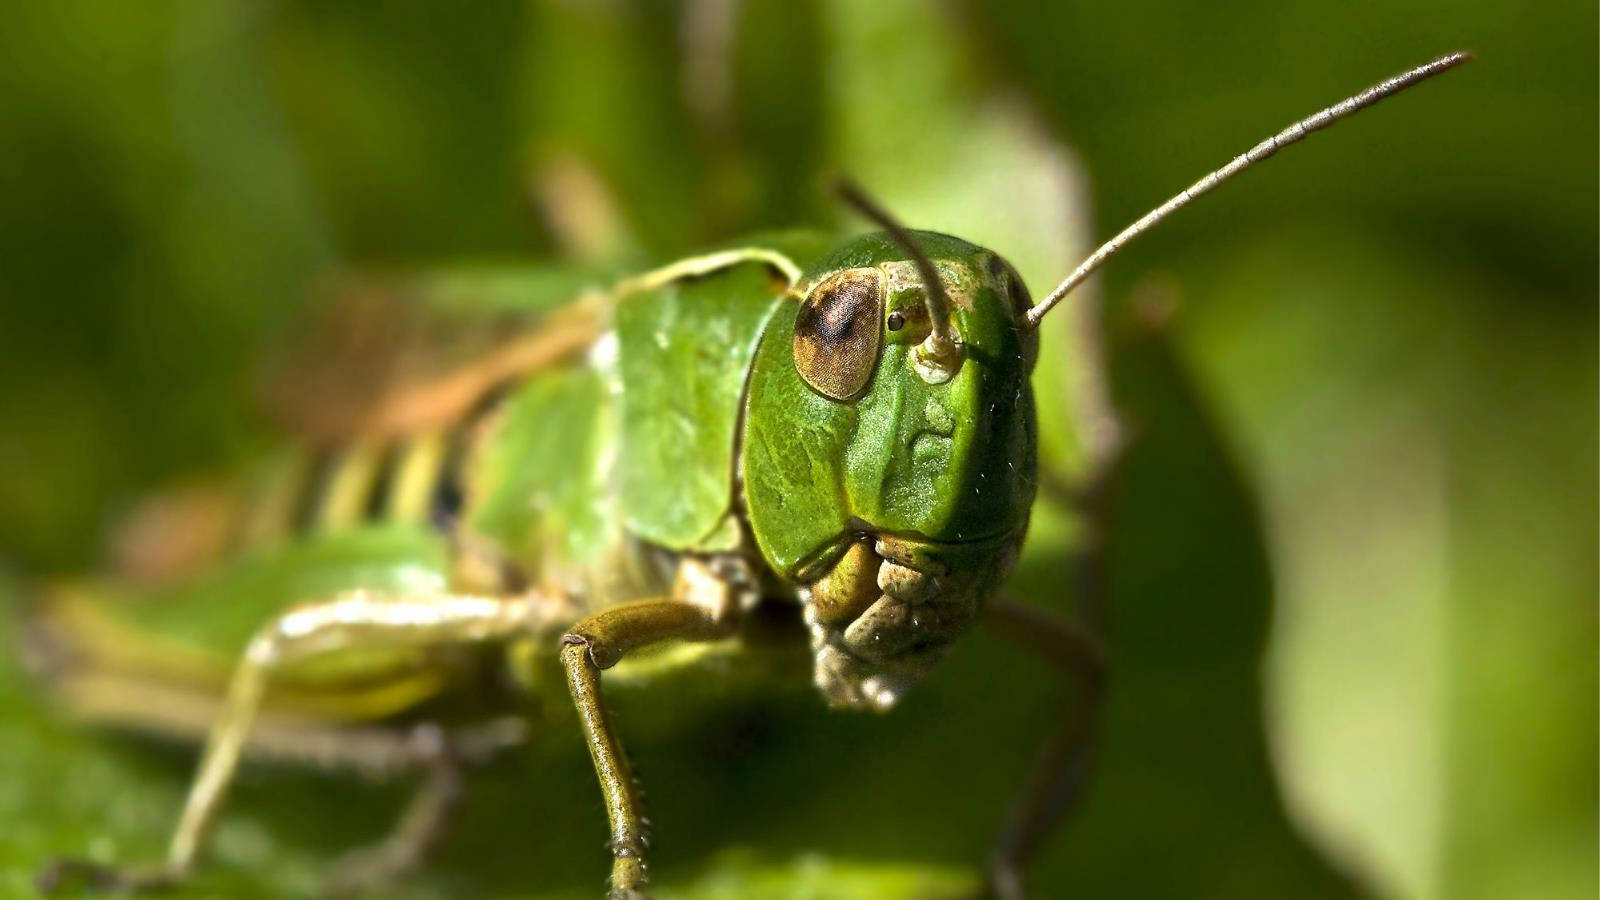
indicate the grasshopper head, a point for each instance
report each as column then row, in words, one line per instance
column 890, row 478
column 889, row 446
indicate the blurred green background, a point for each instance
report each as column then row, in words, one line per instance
column 1353, row 584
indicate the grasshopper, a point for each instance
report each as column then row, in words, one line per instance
column 829, row 448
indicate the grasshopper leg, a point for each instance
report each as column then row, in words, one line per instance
column 699, row 611
column 351, row 619
column 1052, row 788
column 420, row 827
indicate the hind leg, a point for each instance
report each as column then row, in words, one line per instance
column 420, row 827
column 356, row 619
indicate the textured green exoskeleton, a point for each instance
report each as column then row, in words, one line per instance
column 749, row 429
column 926, row 482
column 537, row 475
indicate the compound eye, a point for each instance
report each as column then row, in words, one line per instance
column 838, row 332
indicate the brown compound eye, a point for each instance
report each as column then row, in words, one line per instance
column 838, row 332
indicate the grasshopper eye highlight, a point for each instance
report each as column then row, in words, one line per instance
column 838, row 333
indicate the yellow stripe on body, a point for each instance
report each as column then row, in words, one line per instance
column 700, row 266
column 411, row 490
column 344, row 500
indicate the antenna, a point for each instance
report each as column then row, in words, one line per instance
column 1314, row 122
column 941, row 350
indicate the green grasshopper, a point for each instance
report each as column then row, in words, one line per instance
column 783, row 443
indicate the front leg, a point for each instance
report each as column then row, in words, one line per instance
column 1053, row 787
column 700, row 610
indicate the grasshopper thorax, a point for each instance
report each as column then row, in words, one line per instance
column 892, row 489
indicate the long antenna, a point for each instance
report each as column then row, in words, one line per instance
column 941, row 350
column 1259, row 152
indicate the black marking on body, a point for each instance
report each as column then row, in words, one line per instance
column 449, row 494
column 378, row 500
column 315, row 478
